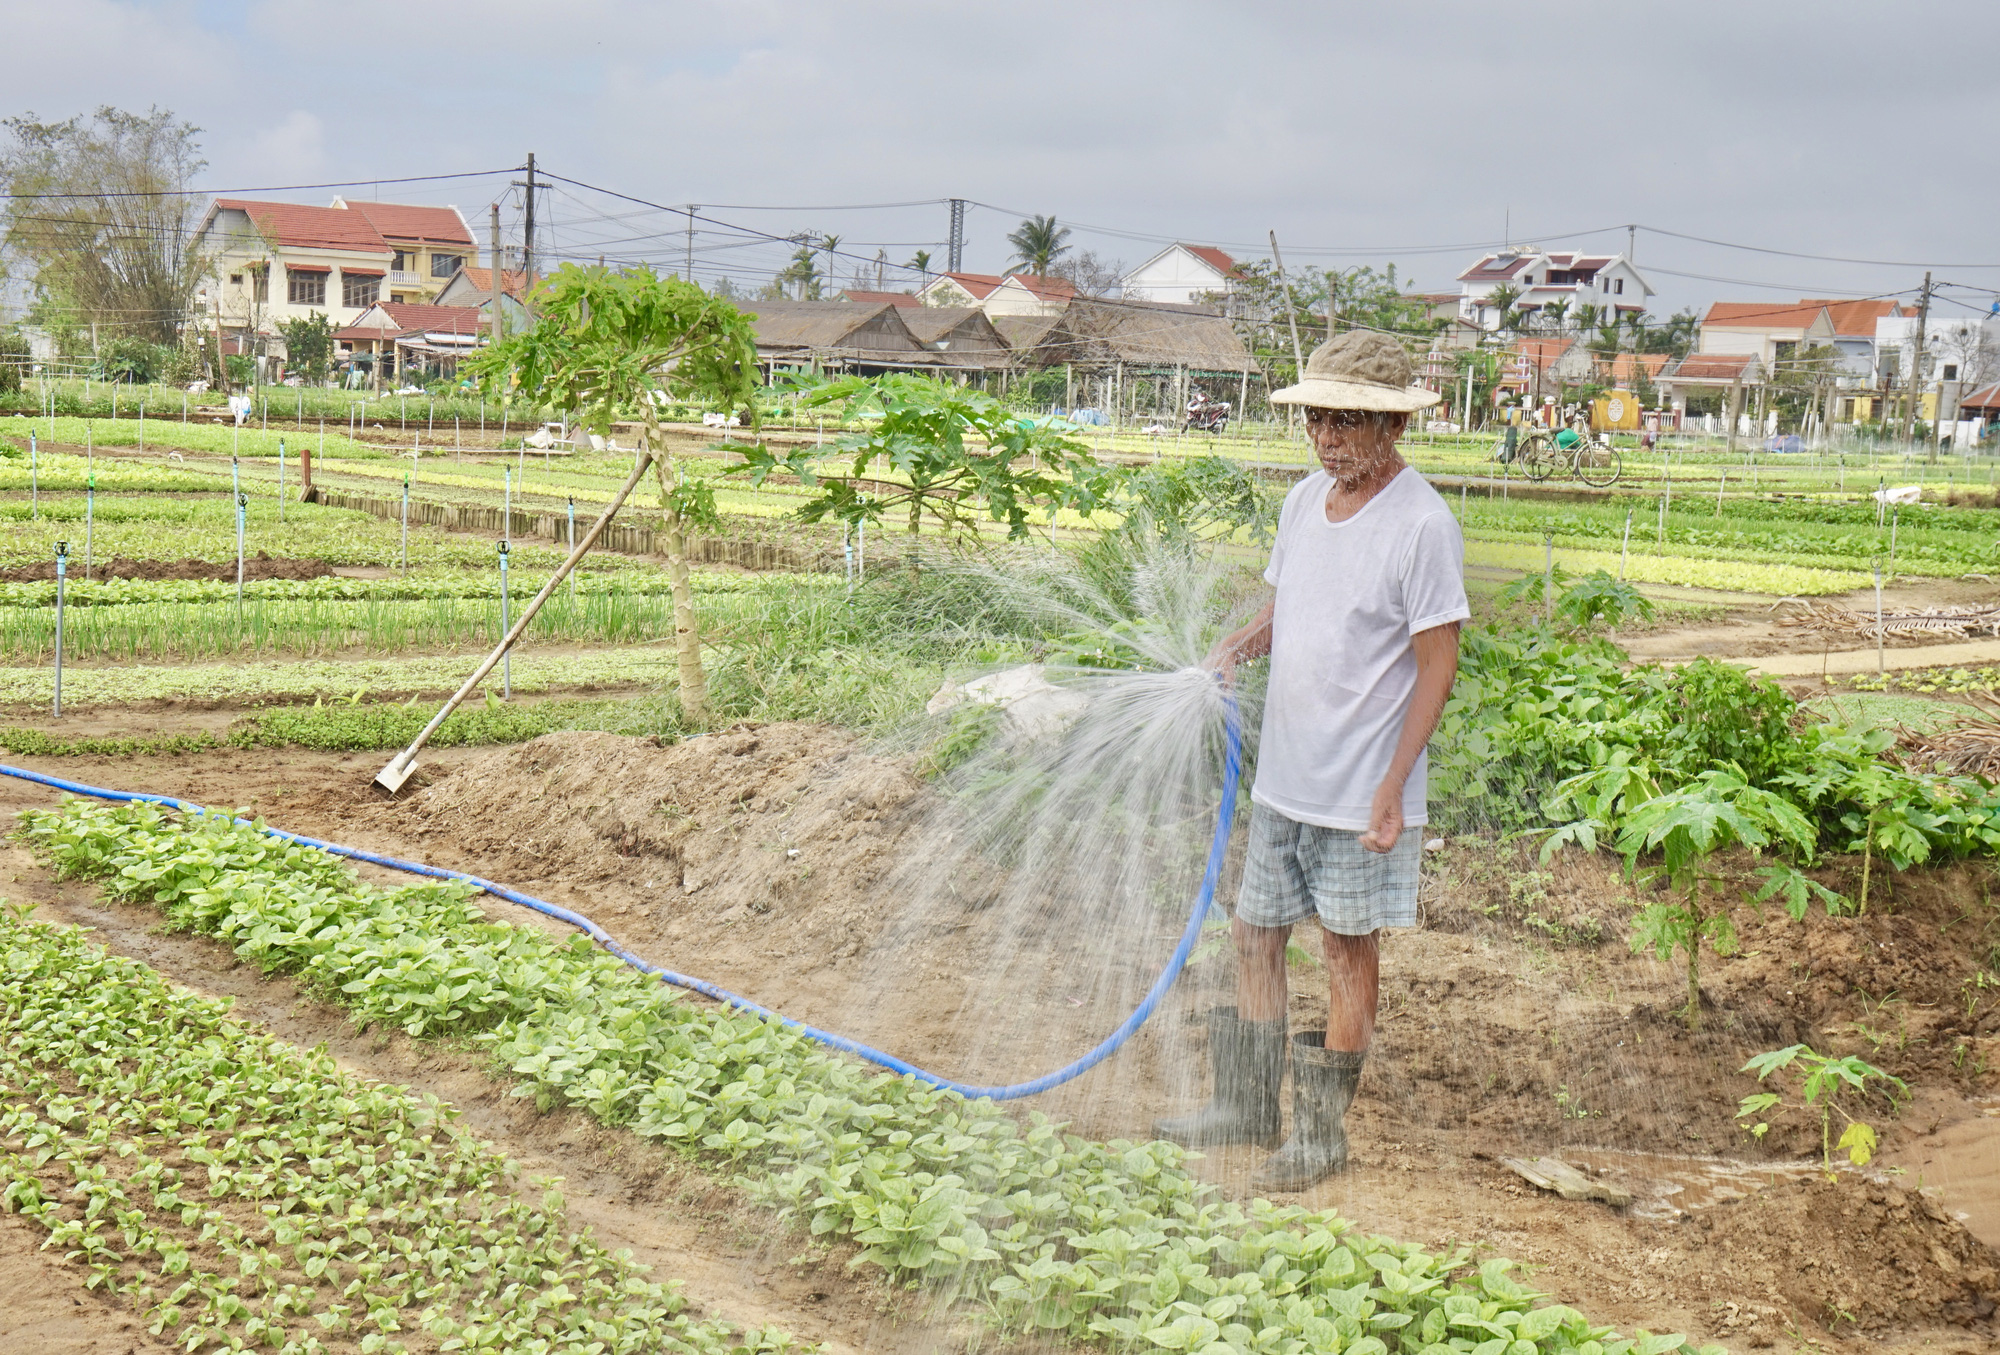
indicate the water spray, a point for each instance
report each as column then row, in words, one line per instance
column 1197, row 916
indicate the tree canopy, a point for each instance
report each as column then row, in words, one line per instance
column 606, row 340
column 1361, row 296
column 1038, row 243
column 101, row 215
column 958, row 453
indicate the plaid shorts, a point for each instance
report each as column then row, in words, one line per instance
column 1296, row 869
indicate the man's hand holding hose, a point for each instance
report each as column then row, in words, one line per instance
column 1241, row 646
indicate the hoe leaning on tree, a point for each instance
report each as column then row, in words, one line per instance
column 606, row 343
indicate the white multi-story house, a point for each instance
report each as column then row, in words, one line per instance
column 1180, row 273
column 1539, row 278
column 1956, row 349
column 277, row 261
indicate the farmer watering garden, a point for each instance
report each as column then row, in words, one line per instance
column 1362, row 633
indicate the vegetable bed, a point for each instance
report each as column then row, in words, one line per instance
column 242, row 1194
column 1044, row 1231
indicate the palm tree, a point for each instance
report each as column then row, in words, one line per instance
column 1553, row 316
column 1589, row 316
column 828, row 244
column 803, row 273
column 921, row 261
column 1502, row 299
column 1038, row 244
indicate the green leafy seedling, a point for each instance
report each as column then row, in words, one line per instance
column 1687, row 827
column 1825, row 1079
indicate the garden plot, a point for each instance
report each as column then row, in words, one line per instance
column 1512, row 956
column 759, row 857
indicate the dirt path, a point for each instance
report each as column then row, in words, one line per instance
column 1750, row 631
column 1515, row 1022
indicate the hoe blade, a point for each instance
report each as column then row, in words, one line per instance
column 392, row 777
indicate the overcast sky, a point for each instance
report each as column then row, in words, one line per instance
column 1412, row 133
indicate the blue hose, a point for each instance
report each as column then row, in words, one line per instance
column 1225, row 815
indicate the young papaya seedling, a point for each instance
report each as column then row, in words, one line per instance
column 1825, row 1079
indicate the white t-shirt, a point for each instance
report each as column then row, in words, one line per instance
column 1350, row 596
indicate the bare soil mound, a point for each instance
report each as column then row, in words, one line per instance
column 1865, row 1257
column 259, row 566
column 784, row 831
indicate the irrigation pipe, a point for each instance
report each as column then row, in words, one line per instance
column 1225, row 814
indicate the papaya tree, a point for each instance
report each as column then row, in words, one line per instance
column 610, row 344
column 934, row 449
column 1687, row 827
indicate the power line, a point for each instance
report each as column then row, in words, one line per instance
column 1340, row 250
column 1800, row 288
column 836, row 207
column 1819, row 258
column 272, row 188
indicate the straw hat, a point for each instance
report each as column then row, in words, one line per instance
column 1359, row 370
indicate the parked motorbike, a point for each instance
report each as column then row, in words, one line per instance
column 1205, row 415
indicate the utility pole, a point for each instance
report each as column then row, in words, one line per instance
column 692, row 209
column 1917, row 363
column 528, row 223
column 528, row 227
column 955, row 251
column 498, row 323
column 1631, row 242
column 1291, row 312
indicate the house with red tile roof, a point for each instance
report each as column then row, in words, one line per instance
column 1540, row 279
column 277, row 261
column 403, row 337
column 1180, row 273
column 1773, row 331
column 1000, row 294
column 1732, row 376
column 432, row 244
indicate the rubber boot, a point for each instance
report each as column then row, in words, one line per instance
column 1248, row 1061
column 1323, row 1083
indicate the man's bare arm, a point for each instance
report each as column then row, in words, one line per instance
column 1251, row 642
column 1437, row 668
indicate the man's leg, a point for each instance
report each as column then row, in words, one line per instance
column 1246, row 1049
column 1261, row 991
column 1246, row 1042
column 1326, row 1066
column 1354, row 987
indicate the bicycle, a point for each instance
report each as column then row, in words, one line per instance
column 1542, row 454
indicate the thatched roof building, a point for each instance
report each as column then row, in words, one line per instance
column 960, row 334
column 1149, row 336
column 872, row 338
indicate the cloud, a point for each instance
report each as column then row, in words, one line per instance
column 1386, row 128
column 289, row 151
column 72, row 57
